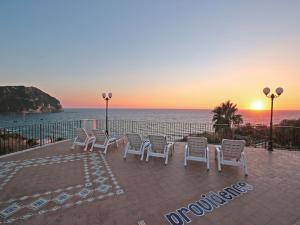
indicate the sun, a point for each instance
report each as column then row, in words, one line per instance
column 257, row 105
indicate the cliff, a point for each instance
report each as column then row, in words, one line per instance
column 20, row 99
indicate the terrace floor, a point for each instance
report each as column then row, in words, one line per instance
column 57, row 185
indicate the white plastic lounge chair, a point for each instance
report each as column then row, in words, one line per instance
column 135, row 145
column 82, row 138
column 102, row 140
column 232, row 153
column 196, row 150
column 159, row 147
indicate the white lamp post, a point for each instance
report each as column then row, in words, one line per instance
column 267, row 91
column 106, row 97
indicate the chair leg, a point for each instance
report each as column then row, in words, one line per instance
column 124, row 157
column 219, row 162
column 92, row 147
column 147, row 158
column 167, row 158
column 142, row 155
column 245, row 165
column 185, row 160
column 86, row 146
column 73, row 145
column 207, row 163
column 105, row 149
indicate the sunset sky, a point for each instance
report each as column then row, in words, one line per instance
column 153, row 54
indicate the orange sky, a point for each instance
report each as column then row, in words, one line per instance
column 239, row 79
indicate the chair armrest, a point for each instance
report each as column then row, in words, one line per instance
column 207, row 149
column 111, row 139
column 170, row 143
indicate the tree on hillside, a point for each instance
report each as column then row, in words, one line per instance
column 225, row 115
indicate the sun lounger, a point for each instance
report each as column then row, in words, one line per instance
column 135, row 145
column 196, row 149
column 102, row 140
column 159, row 147
column 82, row 138
column 232, row 153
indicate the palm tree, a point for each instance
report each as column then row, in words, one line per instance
column 224, row 117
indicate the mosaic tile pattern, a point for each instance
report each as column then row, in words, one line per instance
column 10, row 210
column 38, row 204
column 99, row 182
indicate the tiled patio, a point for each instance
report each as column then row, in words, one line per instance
column 57, row 185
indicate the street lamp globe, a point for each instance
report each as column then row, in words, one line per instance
column 266, row 90
column 103, row 95
column 110, row 95
column 279, row 91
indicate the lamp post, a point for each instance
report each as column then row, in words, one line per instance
column 267, row 91
column 106, row 97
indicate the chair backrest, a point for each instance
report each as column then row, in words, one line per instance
column 134, row 140
column 197, row 146
column 81, row 134
column 158, row 143
column 232, row 149
column 100, row 136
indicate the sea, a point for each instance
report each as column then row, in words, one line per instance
column 159, row 115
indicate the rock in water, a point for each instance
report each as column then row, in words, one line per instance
column 20, row 99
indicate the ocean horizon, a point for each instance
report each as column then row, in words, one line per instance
column 160, row 115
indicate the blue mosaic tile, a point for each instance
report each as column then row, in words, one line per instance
column 60, row 199
column 10, row 210
column 100, row 179
column 103, row 188
column 84, row 192
column 38, row 204
column 99, row 172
